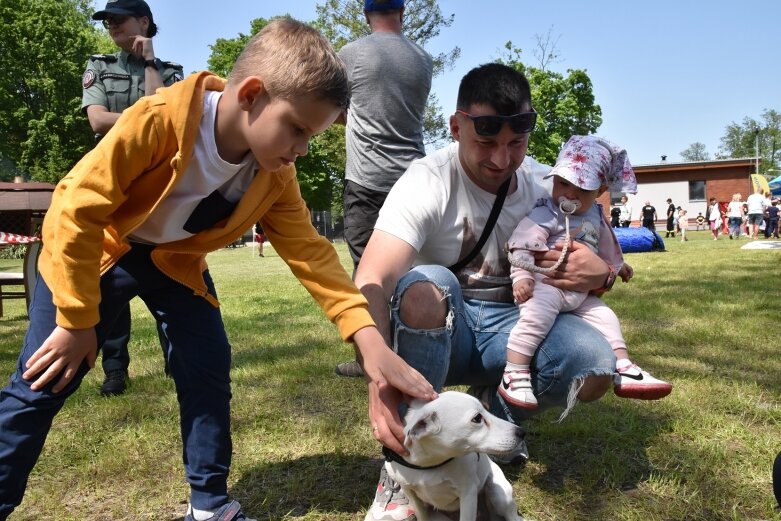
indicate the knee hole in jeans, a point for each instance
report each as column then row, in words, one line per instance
column 423, row 306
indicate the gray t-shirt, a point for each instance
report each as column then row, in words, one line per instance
column 390, row 79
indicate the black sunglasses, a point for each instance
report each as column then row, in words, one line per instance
column 114, row 20
column 521, row 123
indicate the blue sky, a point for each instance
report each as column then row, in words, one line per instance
column 667, row 73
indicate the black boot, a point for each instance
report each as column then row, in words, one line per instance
column 115, row 383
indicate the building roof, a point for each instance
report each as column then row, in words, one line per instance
column 25, row 196
column 714, row 164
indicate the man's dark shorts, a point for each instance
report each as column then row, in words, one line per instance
column 755, row 218
column 361, row 208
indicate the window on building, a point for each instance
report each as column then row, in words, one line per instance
column 696, row 191
column 615, row 198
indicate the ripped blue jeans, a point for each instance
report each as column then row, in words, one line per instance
column 471, row 348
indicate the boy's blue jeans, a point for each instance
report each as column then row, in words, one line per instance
column 472, row 347
column 199, row 361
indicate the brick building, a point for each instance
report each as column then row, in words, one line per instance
column 688, row 184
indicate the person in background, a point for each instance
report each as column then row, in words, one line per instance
column 768, row 202
column 756, row 204
column 260, row 237
column 626, row 212
column 735, row 213
column 670, row 218
column 648, row 214
column 390, row 80
column 615, row 213
column 110, row 84
column 700, row 220
column 683, row 224
column 772, row 219
column 714, row 218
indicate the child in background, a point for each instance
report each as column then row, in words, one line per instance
column 683, row 224
column 185, row 172
column 259, row 237
column 586, row 167
column 714, row 217
column 772, row 218
column 700, row 220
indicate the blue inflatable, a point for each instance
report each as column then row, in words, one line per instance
column 638, row 240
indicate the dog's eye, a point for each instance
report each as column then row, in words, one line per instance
column 478, row 418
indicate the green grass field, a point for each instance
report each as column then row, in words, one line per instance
column 704, row 315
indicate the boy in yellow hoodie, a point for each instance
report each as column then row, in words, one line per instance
column 182, row 173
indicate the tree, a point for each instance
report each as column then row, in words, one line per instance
column 44, row 46
column 564, row 104
column 695, row 152
column 742, row 140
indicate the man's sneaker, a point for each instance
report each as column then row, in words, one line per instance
column 390, row 503
column 516, row 389
column 228, row 512
column 115, row 383
column 633, row 382
column 349, row 369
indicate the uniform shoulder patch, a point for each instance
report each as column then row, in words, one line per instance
column 88, row 79
column 173, row 65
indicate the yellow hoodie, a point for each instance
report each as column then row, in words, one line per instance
column 115, row 187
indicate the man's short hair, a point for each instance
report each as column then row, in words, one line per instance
column 503, row 88
column 293, row 59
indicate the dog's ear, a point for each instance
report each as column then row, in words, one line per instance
column 425, row 426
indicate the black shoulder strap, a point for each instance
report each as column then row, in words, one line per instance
column 489, row 226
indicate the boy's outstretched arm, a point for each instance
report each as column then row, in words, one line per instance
column 63, row 352
column 390, row 381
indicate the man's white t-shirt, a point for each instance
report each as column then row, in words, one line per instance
column 441, row 213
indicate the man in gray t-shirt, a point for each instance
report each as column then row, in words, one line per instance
column 390, row 79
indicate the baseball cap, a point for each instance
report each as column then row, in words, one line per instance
column 589, row 162
column 382, row 5
column 124, row 7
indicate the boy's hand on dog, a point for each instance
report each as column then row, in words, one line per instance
column 390, row 379
column 62, row 353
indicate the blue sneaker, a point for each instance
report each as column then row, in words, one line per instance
column 228, row 512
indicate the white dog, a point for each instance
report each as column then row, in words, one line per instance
column 447, row 467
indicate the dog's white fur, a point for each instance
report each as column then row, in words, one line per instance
column 456, row 425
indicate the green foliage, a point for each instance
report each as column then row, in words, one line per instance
column 226, row 51
column 44, row 46
column 740, row 140
column 695, row 152
column 320, row 172
column 565, row 105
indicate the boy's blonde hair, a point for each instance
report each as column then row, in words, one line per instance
column 293, row 60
